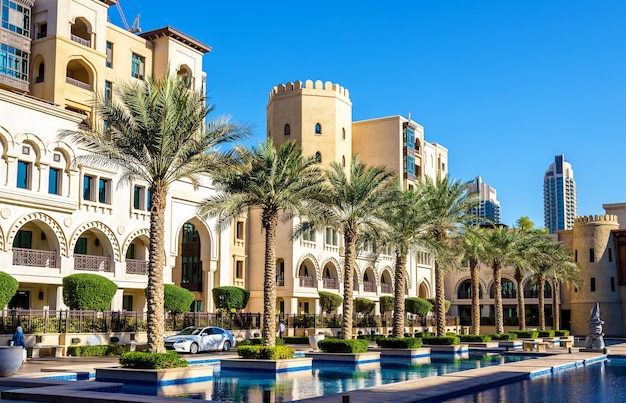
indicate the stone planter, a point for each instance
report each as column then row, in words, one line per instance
column 155, row 377
column 10, row 360
column 267, row 366
column 313, row 339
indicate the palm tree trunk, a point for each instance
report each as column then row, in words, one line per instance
column 497, row 294
column 398, row 303
column 440, row 302
column 521, row 304
column 155, row 294
column 556, row 304
column 542, row 304
column 269, row 286
column 475, row 297
column 348, row 284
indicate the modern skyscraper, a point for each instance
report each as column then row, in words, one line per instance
column 488, row 208
column 559, row 195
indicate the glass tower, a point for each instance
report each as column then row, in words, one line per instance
column 559, row 195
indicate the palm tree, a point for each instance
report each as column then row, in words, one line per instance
column 281, row 183
column 355, row 203
column 529, row 254
column 156, row 131
column 472, row 245
column 566, row 271
column 447, row 205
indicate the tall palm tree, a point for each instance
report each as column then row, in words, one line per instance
column 566, row 271
column 447, row 205
column 472, row 244
column 529, row 242
column 355, row 203
column 281, row 183
column 156, row 130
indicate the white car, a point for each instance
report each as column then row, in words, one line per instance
column 194, row 339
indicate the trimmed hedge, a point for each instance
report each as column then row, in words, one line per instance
column 329, row 301
column 343, row 346
column 143, row 360
column 386, row 304
column 364, row 305
column 441, row 341
column 504, row 336
column 177, row 299
column 96, row 351
column 417, row 306
column 399, row 342
column 295, row 340
column 88, row 291
column 371, row 337
column 265, row 352
column 228, row 298
column 525, row 334
column 258, row 341
column 561, row 333
column 479, row 338
column 8, row 288
column 546, row 333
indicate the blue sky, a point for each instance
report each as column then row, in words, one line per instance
column 504, row 85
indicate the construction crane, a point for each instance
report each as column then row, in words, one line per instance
column 133, row 28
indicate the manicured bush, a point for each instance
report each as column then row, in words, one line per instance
column 329, row 301
column 561, row 333
column 364, row 305
column 177, row 299
column 229, row 298
column 525, row 334
column 88, row 291
column 424, row 334
column 446, row 303
column 546, row 333
column 386, row 304
column 144, row 360
column 417, row 306
column 343, row 346
column 295, row 340
column 441, row 341
column 371, row 337
column 258, row 341
column 503, row 336
column 479, row 338
column 96, row 351
column 8, row 288
column 399, row 342
column 265, row 352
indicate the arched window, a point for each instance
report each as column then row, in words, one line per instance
column 287, row 129
column 318, row 128
column 40, row 72
column 343, row 133
column 318, row 156
column 343, row 161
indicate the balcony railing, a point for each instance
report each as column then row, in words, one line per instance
column 466, row 294
column 307, row 282
column 368, row 286
column 34, row 257
column 331, row 283
column 134, row 266
column 385, row 288
column 280, row 281
column 78, row 83
column 92, row 263
column 82, row 41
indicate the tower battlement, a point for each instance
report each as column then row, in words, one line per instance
column 604, row 218
column 310, row 87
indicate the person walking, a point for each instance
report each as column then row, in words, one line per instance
column 281, row 330
column 18, row 340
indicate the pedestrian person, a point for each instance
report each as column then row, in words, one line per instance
column 281, row 330
column 18, row 340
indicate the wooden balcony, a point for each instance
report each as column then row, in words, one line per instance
column 92, row 263
column 386, row 288
column 307, row 282
column 34, row 257
column 134, row 266
column 331, row 283
column 369, row 286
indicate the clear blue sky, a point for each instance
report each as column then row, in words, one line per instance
column 504, row 85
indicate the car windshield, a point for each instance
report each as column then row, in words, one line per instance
column 190, row 331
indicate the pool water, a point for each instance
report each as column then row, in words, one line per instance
column 324, row 378
column 604, row 381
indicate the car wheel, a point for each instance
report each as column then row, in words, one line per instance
column 193, row 349
column 226, row 346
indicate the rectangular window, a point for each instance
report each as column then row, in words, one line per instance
column 23, row 239
column 54, row 181
column 109, row 59
column 331, row 237
column 592, row 255
column 108, row 91
column 138, row 66
column 239, row 269
column 88, row 187
column 610, row 255
column 612, row 284
column 23, row 174
column 196, row 306
column 81, row 246
column 104, row 191
column 16, row 18
column 13, row 62
column 308, row 235
column 138, row 193
column 593, row 284
column 127, row 302
column 130, row 253
column 576, row 255
column 239, row 230
column 43, row 31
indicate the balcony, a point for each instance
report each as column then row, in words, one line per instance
column 369, row 286
column 535, row 293
column 78, row 83
column 92, row 263
column 134, row 266
column 280, row 281
column 385, row 288
column 34, row 258
column 82, row 41
column 308, row 282
column 331, row 283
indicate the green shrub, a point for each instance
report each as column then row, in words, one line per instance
column 229, row 298
column 364, row 305
column 424, row 334
column 144, row 360
column 386, row 304
column 503, row 336
column 402, row 342
column 343, row 346
column 525, row 334
column 371, row 337
column 176, row 299
column 88, row 291
column 265, row 352
column 546, row 333
column 446, row 304
column 96, row 351
column 441, row 341
column 8, row 288
column 329, row 301
column 258, row 341
column 561, row 333
column 480, row 338
column 417, row 306
column 295, row 340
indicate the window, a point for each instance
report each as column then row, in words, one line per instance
column 308, row 235
column 109, row 59
column 23, row 239
column 127, row 303
column 54, row 181
column 13, row 62
column 331, row 237
column 23, row 174
column 576, row 255
column 88, row 187
column 196, row 306
column 108, row 91
column 130, row 253
column 318, row 128
column 81, row 246
column 592, row 255
column 41, row 70
column 343, row 161
column 138, row 66
column 43, row 31
column 318, row 157
column 343, row 133
column 104, row 191
column 239, row 269
column 593, row 284
column 239, row 230
column 16, row 18
column 287, row 129
column 612, row 284
column 141, row 198
column 610, row 253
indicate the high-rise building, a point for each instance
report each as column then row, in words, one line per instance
column 559, row 195
column 488, row 208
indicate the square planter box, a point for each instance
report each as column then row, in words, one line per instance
column 155, row 377
column 345, row 358
column 511, row 345
column 267, row 366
